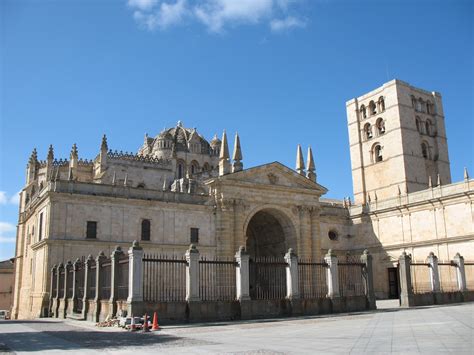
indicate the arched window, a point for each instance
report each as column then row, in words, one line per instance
column 367, row 131
column 180, row 168
column 206, row 167
column 418, row 124
column 413, row 102
column 424, row 150
column 372, row 110
column 428, row 127
column 194, row 167
column 380, row 126
column 419, row 105
column 363, row 111
column 428, row 107
column 377, row 152
column 146, row 230
column 381, row 104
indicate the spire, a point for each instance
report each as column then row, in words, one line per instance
column 237, row 155
column 50, row 157
column 310, row 166
column 299, row 161
column 224, row 164
column 74, row 154
column 466, row 174
column 430, row 183
column 104, row 146
column 33, row 157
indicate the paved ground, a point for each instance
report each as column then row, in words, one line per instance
column 442, row 329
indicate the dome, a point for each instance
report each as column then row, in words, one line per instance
column 180, row 138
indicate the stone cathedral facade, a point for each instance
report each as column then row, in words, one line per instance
column 180, row 188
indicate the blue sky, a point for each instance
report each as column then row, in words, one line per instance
column 277, row 71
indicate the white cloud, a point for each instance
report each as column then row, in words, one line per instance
column 216, row 15
column 3, row 198
column 143, row 5
column 7, row 232
column 279, row 25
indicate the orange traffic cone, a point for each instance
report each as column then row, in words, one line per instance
column 132, row 324
column 155, row 326
column 145, row 323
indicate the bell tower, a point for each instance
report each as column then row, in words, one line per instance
column 397, row 141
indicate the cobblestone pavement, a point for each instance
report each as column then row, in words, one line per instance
column 441, row 329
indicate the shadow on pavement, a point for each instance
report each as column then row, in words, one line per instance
column 70, row 340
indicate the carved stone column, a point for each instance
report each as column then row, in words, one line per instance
column 332, row 274
column 406, row 289
column 114, row 258
column 135, row 280
column 434, row 272
column 242, row 274
column 87, row 286
column 366, row 259
column 460, row 272
column 192, row 274
column 292, row 282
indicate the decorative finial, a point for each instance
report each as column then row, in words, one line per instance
column 165, row 185
column 438, row 182
column 50, row 153
column 114, row 178
column 430, row 183
column 180, row 124
column 466, row 174
column 33, row 157
column 299, row 161
column 74, row 153
column 125, row 180
column 224, row 154
column 70, row 176
column 310, row 166
column 104, row 146
column 237, row 155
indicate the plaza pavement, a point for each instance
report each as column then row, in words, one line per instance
column 437, row 329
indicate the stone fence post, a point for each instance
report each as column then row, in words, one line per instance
column 367, row 272
column 99, row 260
column 114, row 265
column 242, row 274
column 406, row 289
column 58, row 285
column 87, row 286
column 434, row 272
column 332, row 274
column 51, row 288
column 135, row 280
column 460, row 272
column 192, row 274
column 292, row 285
column 67, row 267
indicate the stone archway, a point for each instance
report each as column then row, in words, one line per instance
column 269, row 234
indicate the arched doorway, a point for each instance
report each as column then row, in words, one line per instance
column 269, row 234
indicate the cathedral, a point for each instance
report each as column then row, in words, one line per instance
column 180, row 188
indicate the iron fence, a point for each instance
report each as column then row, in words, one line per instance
column 351, row 278
column 164, row 278
column 61, row 283
column 70, row 279
column 79, row 280
column 122, row 278
column 448, row 279
column 420, row 277
column 312, row 279
column 91, row 280
column 105, row 279
column 469, row 270
column 217, row 279
column 267, row 278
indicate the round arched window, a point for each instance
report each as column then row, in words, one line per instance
column 332, row 234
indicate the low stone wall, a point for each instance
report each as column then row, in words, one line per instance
column 432, row 298
column 183, row 312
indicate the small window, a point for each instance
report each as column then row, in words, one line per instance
column 91, row 232
column 380, row 126
column 424, row 150
column 180, row 170
column 378, row 154
column 418, row 124
column 146, row 230
column 367, row 131
column 332, row 234
column 363, row 111
column 194, row 235
column 381, row 104
column 372, row 110
column 427, row 127
column 40, row 227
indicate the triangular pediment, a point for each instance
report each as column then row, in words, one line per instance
column 275, row 174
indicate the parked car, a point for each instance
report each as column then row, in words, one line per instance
column 4, row 314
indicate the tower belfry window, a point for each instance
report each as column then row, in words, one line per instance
column 378, row 153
